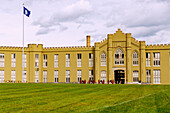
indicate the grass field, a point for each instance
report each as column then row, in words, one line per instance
column 91, row 98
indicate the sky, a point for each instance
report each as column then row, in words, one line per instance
column 58, row 23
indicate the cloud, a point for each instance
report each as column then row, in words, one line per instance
column 97, row 37
column 82, row 40
column 83, row 21
column 73, row 19
column 90, row 31
column 62, row 28
column 31, row 2
column 147, row 31
column 43, row 31
column 143, row 18
column 161, row 37
column 71, row 13
column 142, row 14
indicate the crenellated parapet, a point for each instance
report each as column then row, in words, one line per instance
column 35, row 47
column 39, row 48
column 104, row 42
column 119, row 31
column 73, row 48
column 134, row 41
column 158, row 46
column 10, row 48
column 31, row 47
column 97, row 44
column 142, row 45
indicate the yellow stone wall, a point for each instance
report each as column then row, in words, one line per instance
column 109, row 45
column 164, row 61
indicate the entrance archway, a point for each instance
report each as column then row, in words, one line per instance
column 119, row 76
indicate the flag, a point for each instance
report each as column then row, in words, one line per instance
column 27, row 12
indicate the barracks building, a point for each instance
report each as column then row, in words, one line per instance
column 118, row 57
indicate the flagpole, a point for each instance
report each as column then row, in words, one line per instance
column 23, row 46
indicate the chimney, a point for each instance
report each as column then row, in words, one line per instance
column 88, row 40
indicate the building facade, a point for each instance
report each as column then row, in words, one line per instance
column 118, row 57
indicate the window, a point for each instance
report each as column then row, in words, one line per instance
column 148, row 76
column 119, row 57
column 78, row 75
column 78, row 60
column 2, row 60
column 24, row 77
column 90, row 75
column 1, row 76
column 36, row 76
column 90, row 59
column 13, row 60
column 45, row 61
column 13, row 76
column 103, row 59
column 156, row 59
column 103, row 76
column 45, row 76
column 56, row 60
column 67, row 60
column 156, row 76
column 36, row 60
column 67, row 76
column 135, row 76
column 135, row 58
column 55, row 76
column 148, row 59
column 25, row 60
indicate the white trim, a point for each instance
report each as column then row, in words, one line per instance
column 135, row 82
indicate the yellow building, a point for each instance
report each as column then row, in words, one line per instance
column 118, row 57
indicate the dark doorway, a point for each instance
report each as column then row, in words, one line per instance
column 119, row 76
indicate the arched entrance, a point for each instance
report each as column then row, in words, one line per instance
column 119, row 76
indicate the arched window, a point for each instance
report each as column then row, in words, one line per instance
column 103, row 59
column 135, row 58
column 119, row 57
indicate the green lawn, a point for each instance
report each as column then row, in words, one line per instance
column 91, row 98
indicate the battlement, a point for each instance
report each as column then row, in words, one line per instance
column 142, row 43
column 35, row 46
column 68, row 48
column 134, row 40
column 12, row 48
column 128, row 34
column 39, row 47
column 30, row 46
column 103, row 42
column 97, row 42
column 109, row 35
column 158, row 46
column 119, row 31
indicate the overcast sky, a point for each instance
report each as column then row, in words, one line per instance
column 55, row 23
